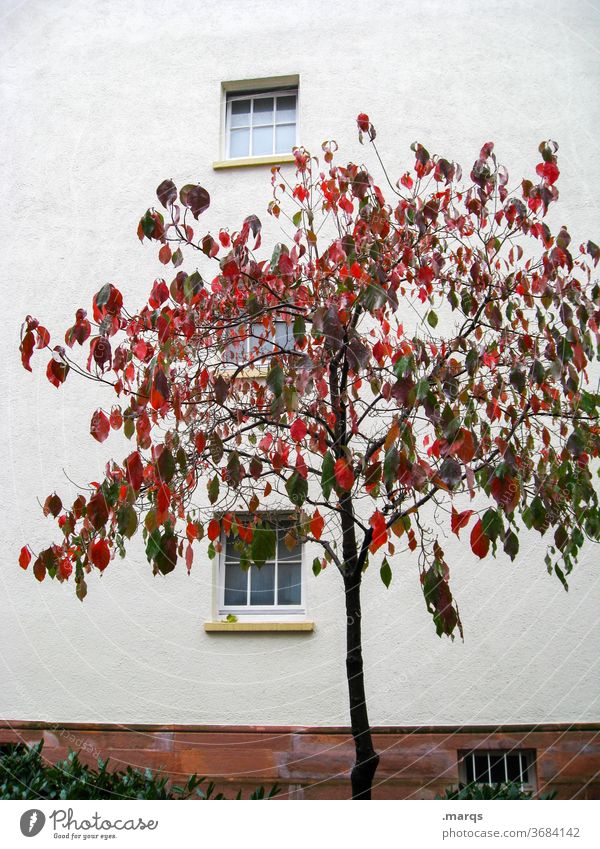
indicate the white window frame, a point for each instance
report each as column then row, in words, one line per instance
column 526, row 763
column 253, row 96
column 251, row 612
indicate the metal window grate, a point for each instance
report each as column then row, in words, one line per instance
column 495, row 766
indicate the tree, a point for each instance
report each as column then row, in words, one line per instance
column 370, row 425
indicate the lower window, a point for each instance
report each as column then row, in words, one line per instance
column 277, row 586
column 496, row 766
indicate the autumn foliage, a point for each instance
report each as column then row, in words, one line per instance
column 428, row 351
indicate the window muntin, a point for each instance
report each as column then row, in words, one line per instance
column 261, row 124
column 278, row 585
column 242, row 349
column 496, row 766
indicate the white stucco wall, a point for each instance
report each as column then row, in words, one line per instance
column 101, row 101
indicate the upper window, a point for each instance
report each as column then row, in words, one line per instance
column 246, row 348
column 262, row 123
column 276, row 586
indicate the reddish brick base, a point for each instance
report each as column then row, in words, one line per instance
column 314, row 763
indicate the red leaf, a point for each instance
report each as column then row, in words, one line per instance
column 163, row 499
column 480, row 544
column 52, row 505
column 134, row 470
column 99, row 554
column 116, row 418
column 363, row 122
column 57, row 372
column 549, row 171
column 189, row 557
column 346, row 204
column 164, row 254
column 100, row 426
column 343, row 474
column 39, row 570
column 26, row 347
column 425, row 274
column 459, row 520
column 24, row 557
column 316, row 525
column 463, row 445
column 380, row 534
column 43, row 337
column 298, row 430
column 97, row 510
column 507, row 492
column 214, row 530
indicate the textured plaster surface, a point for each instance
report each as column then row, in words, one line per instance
column 101, row 101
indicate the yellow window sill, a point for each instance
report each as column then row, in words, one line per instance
column 212, row 627
column 249, row 161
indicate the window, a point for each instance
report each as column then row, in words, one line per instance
column 261, row 123
column 242, row 349
column 277, row 586
column 498, row 767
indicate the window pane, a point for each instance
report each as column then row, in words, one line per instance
column 481, row 769
column 497, row 764
column 289, row 577
column 263, row 111
column 235, row 351
column 262, row 585
column 284, row 336
column 285, row 138
column 240, row 113
column 286, row 109
column 236, row 583
column 262, row 141
column 260, row 341
column 239, row 142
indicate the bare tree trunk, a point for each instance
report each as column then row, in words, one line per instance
column 367, row 759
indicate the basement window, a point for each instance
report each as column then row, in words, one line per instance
column 495, row 766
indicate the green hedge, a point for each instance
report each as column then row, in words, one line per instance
column 483, row 792
column 25, row 775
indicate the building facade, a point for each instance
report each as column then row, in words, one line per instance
column 100, row 103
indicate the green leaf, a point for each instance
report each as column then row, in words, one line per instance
column 263, row 545
column 275, row 379
column 511, row 544
column 327, row 474
column 297, row 218
column 127, row 521
column 316, row 566
column 213, row 489
column 153, row 544
column 277, row 250
column 166, row 465
column 299, row 328
column 148, row 224
column 432, row 318
column 422, row 389
column 385, row 573
column 390, row 466
column 297, row 489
